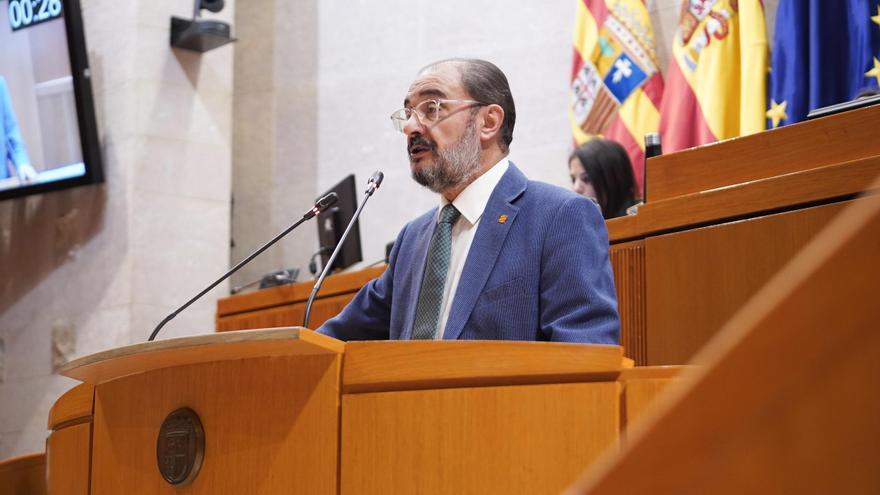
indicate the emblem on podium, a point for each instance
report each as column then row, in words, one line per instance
column 180, row 447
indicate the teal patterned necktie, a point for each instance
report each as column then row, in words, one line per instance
column 434, row 279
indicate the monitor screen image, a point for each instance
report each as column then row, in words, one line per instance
column 48, row 136
column 332, row 223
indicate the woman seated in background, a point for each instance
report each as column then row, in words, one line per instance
column 600, row 169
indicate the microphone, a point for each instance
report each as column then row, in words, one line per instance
column 321, row 205
column 372, row 185
column 374, row 182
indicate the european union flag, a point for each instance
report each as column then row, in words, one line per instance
column 824, row 52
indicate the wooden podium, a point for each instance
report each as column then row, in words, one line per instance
column 292, row 411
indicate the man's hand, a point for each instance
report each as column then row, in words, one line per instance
column 26, row 173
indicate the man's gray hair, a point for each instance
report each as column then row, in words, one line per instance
column 485, row 83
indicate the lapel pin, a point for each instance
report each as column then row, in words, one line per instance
column 502, row 218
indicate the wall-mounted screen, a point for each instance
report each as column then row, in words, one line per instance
column 48, row 136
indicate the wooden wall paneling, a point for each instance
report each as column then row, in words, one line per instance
column 697, row 279
column 518, row 439
column 286, row 316
column 748, row 199
column 628, row 264
column 271, row 426
column 834, row 139
column 68, row 460
column 285, row 305
column 785, row 401
column 23, row 475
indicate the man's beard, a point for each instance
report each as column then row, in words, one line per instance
column 452, row 167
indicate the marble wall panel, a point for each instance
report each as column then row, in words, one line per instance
column 24, row 415
column 179, row 245
column 252, row 183
column 254, row 52
column 180, row 167
column 195, row 320
column 157, row 13
column 104, row 329
column 174, row 112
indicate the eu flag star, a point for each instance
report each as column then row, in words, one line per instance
column 777, row 112
column 875, row 72
column 876, row 18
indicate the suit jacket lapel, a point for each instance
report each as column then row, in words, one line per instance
column 485, row 249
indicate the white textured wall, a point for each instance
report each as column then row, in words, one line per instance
column 96, row 267
column 368, row 58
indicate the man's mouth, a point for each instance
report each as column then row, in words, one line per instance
column 419, row 148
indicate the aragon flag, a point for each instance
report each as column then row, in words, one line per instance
column 823, row 53
column 716, row 81
column 616, row 84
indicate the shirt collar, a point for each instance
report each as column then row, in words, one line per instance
column 473, row 199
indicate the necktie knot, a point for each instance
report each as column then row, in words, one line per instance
column 449, row 214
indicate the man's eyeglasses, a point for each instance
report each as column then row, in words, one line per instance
column 429, row 112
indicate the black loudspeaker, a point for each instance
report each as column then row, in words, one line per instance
column 201, row 35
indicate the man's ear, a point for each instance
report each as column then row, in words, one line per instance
column 493, row 117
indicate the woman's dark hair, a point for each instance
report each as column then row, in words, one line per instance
column 610, row 171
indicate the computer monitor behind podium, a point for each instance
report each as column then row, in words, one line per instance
column 332, row 223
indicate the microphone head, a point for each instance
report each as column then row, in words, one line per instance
column 326, row 201
column 322, row 204
column 375, row 181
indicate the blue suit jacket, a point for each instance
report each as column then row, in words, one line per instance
column 543, row 274
column 10, row 137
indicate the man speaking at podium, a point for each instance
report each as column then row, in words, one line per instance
column 502, row 257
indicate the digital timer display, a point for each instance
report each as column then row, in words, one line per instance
column 27, row 13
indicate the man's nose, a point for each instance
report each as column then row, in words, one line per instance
column 413, row 125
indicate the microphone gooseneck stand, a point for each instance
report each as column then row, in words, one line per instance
column 372, row 186
column 321, row 205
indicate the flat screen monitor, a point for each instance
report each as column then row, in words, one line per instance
column 48, row 136
column 846, row 106
column 332, row 223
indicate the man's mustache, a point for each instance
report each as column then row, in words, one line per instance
column 419, row 141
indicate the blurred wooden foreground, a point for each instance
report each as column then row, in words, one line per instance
column 785, row 400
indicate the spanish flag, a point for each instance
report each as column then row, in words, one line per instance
column 716, row 82
column 616, row 84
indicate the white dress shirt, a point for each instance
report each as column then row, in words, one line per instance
column 471, row 202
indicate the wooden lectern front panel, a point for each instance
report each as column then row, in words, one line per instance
column 510, row 439
column 270, row 426
column 67, row 460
